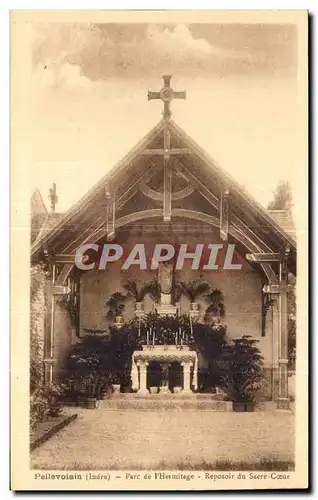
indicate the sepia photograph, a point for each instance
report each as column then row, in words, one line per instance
column 159, row 298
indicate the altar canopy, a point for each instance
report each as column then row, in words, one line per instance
column 168, row 190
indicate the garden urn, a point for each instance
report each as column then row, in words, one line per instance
column 194, row 310
column 116, row 389
column 91, row 403
column 119, row 321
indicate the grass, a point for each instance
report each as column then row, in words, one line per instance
column 262, row 465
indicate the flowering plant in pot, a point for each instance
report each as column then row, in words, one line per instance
column 90, row 385
column 138, row 293
column 116, row 305
column 241, row 368
column 115, row 381
column 164, row 378
column 216, row 308
column 193, row 290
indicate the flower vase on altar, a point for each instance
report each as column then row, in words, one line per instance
column 164, row 389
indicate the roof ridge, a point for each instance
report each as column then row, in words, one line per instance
column 131, row 155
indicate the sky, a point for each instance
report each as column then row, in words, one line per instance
column 89, row 106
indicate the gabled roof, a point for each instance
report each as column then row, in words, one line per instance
column 49, row 223
column 285, row 220
column 100, row 186
column 125, row 172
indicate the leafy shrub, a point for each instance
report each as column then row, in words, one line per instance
column 116, row 304
column 44, row 402
column 38, row 310
column 241, row 369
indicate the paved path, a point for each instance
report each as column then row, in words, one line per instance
column 102, row 439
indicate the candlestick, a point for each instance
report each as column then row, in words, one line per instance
column 180, row 334
column 147, row 337
column 139, row 330
column 176, row 338
column 153, row 337
column 191, row 327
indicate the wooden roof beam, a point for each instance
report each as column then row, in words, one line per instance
column 135, row 186
column 110, row 214
column 224, row 214
column 263, row 257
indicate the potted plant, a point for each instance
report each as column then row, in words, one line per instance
column 115, row 381
column 165, row 378
column 139, row 293
column 193, row 290
column 242, row 372
column 89, row 389
column 116, row 305
column 153, row 389
column 53, row 393
column 216, row 305
column 126, row 383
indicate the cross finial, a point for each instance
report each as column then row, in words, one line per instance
column 53, row 197
column 166, row 94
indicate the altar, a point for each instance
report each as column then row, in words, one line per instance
column 165, row 356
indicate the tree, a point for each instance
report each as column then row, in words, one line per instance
column 283, row 198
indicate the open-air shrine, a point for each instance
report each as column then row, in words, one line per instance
column 167, row 190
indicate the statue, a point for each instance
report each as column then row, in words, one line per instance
column 165, row 278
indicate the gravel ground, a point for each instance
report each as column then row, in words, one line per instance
column 103, row 439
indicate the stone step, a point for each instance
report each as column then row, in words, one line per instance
column 159, row 404
column 170, row 396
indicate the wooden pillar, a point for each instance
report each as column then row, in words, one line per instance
column 49, row 332
column 280, row 290
column 283, row 398
column 52, row 292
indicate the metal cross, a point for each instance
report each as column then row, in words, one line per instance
column 166, row 94
column 53, row 197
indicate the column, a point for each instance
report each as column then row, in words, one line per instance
column 134, row 375
column 195, row 375
column 283, row 399
column 186, row 375
column 49, row 331
column 143, row 377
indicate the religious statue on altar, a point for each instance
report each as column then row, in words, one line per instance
column 165, row 279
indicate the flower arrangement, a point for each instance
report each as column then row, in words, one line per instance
column 116, row 304
column 164, row 330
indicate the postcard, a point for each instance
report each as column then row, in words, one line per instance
column 159, row 250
